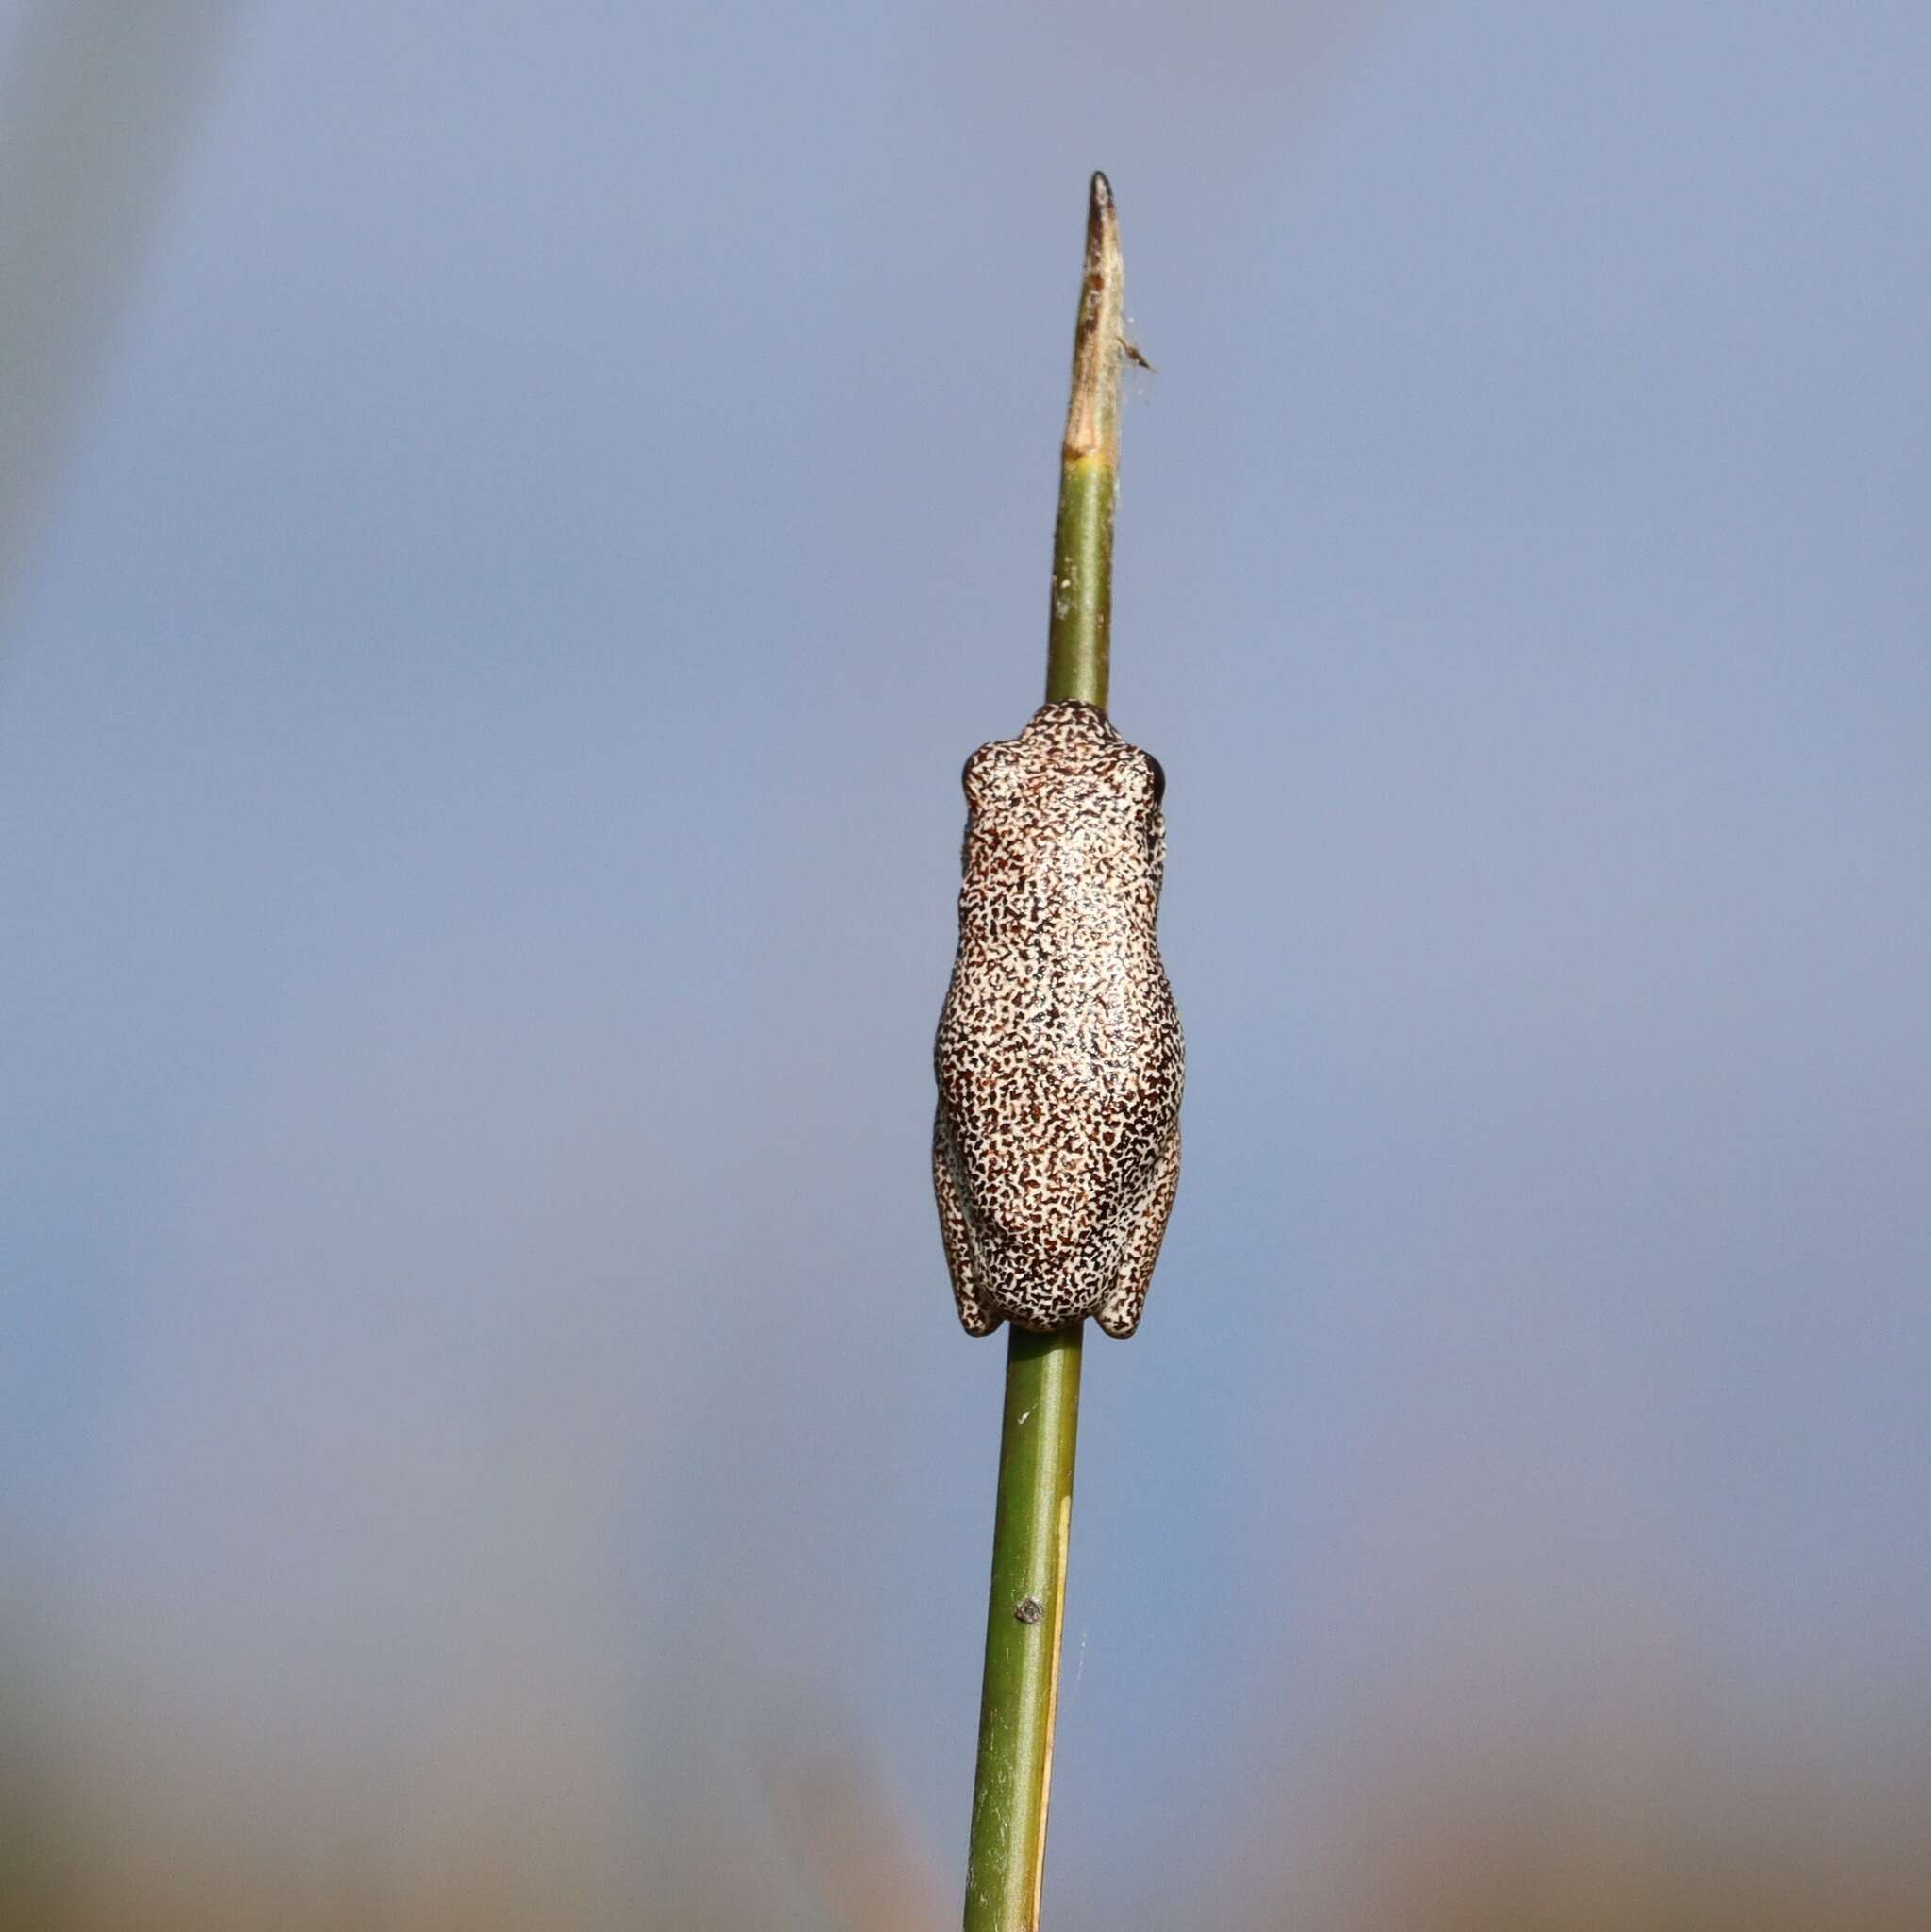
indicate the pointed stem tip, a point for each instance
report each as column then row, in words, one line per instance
column 1093, row 415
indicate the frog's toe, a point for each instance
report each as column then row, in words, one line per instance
column 973, row 1318
column 976, row 1315
column 1120, row 1307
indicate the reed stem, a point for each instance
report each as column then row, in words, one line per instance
column 1006, row 1869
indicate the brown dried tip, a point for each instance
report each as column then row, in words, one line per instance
column 1093, row 416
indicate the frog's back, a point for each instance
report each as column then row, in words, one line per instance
column 1060, row 1055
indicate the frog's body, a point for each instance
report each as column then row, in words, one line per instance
column 1057, row 1150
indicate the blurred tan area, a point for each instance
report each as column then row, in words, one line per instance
column 526, row 1822
column 1623, row 1835
column 520, row 1820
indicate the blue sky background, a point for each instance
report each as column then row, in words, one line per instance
column 556, row 495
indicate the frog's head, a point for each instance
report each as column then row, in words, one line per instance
column 1070, row 776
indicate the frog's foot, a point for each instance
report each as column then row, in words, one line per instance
column 976, row 1314
column 1119, row 1309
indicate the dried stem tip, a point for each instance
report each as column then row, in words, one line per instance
column 1093, row 416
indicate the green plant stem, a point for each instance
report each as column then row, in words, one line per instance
column 1080, row 636
column 1080, row 631
column 1027, row 1607
column 1032, row 1519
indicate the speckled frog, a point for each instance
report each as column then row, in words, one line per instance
column 1058, row 1145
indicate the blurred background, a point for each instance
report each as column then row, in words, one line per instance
column 510, row 520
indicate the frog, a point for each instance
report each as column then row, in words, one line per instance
column 1055, row 1148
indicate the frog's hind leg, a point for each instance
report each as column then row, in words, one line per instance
column 975, row 1313
column 1119, row 1311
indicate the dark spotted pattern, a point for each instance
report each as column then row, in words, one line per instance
column 1058, row 1145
